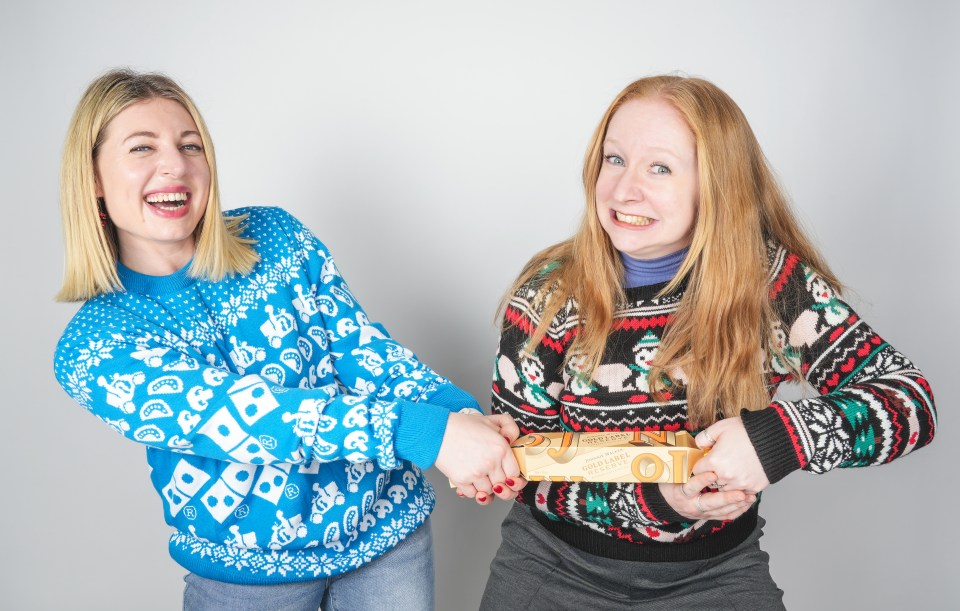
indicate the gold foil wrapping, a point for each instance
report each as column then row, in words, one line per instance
column 647, row 457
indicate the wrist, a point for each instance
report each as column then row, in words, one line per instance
column 420, row 432
column 775, row 441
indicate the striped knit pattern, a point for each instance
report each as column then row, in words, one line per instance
column 873, row 406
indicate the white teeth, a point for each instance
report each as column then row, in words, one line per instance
column 633, row 220
column 159, row 198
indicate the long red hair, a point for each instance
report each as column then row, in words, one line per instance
column 722, row 332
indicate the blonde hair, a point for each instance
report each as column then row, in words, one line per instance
column 91, row 247
column 724, row 323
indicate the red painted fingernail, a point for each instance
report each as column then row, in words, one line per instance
column 507, row 439
column 509, row 482
column 481, row 498
column 498, row 488
column 459, row 493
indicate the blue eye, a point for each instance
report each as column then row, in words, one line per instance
column 192, row 148
column 659, row 168
column 143, row 148
column 614, row 159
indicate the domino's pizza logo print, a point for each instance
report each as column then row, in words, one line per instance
column 266, row 485
column 242, row 476
column 190, row 512
column 291, row 491
column 268, row 442
column 213, row 501
column 256, row 393
column 241, row 512
column 253, row 449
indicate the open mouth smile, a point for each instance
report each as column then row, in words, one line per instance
column 167, row 201
column 630, row 219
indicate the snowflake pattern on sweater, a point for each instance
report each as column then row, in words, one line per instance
column 283, row 428
column 873, row 406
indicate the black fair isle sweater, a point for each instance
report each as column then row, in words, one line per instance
column 873, row 406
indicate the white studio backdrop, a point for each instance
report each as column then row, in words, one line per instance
column 434, row 146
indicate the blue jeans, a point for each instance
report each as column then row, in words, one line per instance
column 399, row 580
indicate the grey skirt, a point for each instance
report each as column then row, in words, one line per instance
column 535, row 570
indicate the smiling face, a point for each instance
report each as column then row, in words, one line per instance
column 648, row 185
column 153, row 175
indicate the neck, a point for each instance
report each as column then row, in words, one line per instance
column 644, row 272
column 158, row 261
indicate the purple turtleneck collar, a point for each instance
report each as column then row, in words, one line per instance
column 644, row 272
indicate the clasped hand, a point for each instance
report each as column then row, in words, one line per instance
column 475, row 455
column 726, row 481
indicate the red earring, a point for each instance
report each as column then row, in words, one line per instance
column 102, row 212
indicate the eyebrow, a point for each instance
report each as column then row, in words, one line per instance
column 189, row 132
column 662, row 149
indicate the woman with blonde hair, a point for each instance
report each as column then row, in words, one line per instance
column 687, row 296
column 285, row 432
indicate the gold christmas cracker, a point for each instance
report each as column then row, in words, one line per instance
column 628, row 457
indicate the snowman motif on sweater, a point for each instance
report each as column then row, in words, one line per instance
column 643, row 353
column 531, row 372
column 786, row 358
column 827, row 312
column 828, row 304
column 623, row 377
column 575, row 376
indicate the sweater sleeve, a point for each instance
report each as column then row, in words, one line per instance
column 367, row 361
column 873, row 406
column 527, row 381
column 168, row 398
column 369, row 398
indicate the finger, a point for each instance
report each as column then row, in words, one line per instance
column 508, row 494
column 515, row 483
column 483, row 499
column 705, row 439
column 483, row 486
column 467, row 491
column 508, row 427
column 714, row 505
column 733, row 513
column 509, row 465
column 702, row 505
column 699, row 481
column 719, row 514
column 729, row 497
column 504, row 492
column 497, row 477
column 739, row 507
column 727, row 503
column 736, row 483
column 717, row 503
column 703, row 465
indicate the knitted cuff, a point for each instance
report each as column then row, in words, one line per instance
column 453, row 398
column 657, row 506
column 770, row 438
column 420, row 432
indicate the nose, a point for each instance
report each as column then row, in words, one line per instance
column 629, row 186
column 171, row 163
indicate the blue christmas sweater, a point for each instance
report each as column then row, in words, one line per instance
column 285, row 432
